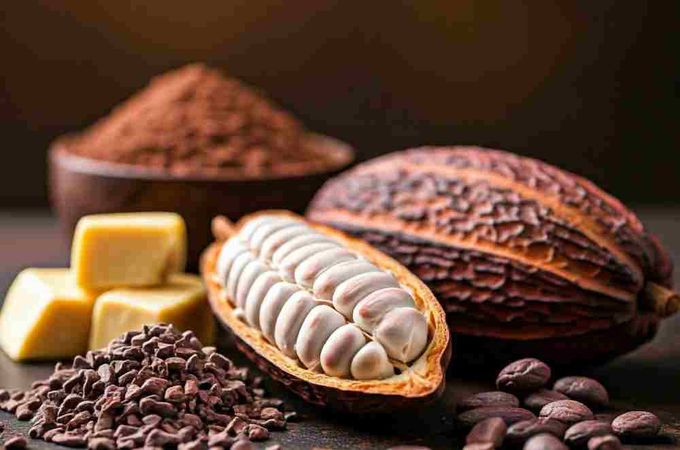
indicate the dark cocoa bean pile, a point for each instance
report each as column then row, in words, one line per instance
column 565, row 413
column 151, row 388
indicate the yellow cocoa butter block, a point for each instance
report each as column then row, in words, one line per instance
column 128, row 249
column 45, row 316
column 181, row 302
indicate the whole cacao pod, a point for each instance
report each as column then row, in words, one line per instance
column 527, row 259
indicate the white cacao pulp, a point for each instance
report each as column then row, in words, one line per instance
column 319, row 302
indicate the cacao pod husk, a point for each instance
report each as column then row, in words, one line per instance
column 527, row 259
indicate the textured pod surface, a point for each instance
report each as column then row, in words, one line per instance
column 413, row 385
column 513, row 248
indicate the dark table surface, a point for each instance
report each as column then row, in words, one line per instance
column 648, row 378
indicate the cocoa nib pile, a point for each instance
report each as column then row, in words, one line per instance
column 195, row 119
column 152, row 388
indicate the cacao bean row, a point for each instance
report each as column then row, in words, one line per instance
column 318, row 302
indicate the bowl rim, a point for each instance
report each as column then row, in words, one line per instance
column 343, row 155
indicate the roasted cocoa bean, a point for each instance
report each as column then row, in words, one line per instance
column 537, row 400
column 488, row 431
column 636, row 425
column 607, row 442
column 523, row 375
column 567, row 411
column 580, row 433
column 492, row 398
column 509, row 415
column 585, row 390
column 520, row 432
column 544, row 441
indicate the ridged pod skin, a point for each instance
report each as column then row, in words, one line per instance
column 527, row 259
column 417, row 385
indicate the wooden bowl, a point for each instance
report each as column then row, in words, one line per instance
column 79, row 186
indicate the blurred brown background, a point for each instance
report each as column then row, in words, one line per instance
column 590, row 86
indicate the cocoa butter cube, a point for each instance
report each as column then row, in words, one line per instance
column 128, row 249
column 45, row 316
column 181, row 302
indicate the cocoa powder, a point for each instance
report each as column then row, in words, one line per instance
column 196, row 119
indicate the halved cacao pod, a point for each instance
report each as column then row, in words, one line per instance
column 527, row 259
column 412, row 385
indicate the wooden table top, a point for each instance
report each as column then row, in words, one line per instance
column 648, row 378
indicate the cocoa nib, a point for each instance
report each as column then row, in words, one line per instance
column 492, row 398
column 636, row 425
column 15, row 442
column 583, row 389
column 523, row 375
column 567, row 411
column 155, row 388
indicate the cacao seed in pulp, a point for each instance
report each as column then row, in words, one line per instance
column 338, row 322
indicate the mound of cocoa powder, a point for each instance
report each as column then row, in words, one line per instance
column 196, row 119
column 154, row 388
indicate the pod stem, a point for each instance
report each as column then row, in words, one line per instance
column 662, row 300
column 222, row 228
